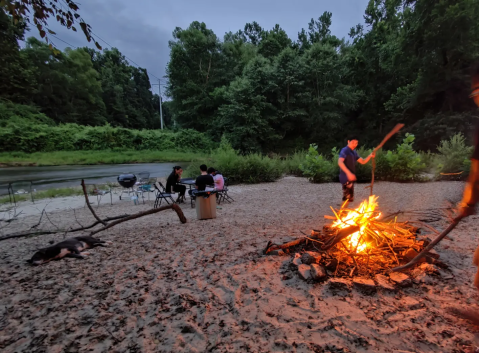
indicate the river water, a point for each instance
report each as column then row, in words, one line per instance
column 70, row 175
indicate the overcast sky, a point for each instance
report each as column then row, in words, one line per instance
column 141, row 29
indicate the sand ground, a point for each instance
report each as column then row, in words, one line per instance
column 205, row 286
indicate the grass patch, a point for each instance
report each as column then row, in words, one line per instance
column 45, row 194
column 96, row 157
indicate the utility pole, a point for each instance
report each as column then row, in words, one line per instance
column 161, row 101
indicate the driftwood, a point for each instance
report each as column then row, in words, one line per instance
column 46, row 232
column 88, row 203
column 175, row 207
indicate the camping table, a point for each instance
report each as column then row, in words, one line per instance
column 190, row 182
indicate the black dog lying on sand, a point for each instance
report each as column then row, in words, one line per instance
column 71, row 247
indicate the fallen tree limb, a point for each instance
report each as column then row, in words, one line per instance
column 46, row 232
column 174, row 207
column 26, row 234
column 88, row 203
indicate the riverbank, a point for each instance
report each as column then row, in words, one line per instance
column 58, row 158
column 205, row 285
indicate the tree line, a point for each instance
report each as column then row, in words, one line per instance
column 82, row 85
column 266, row 92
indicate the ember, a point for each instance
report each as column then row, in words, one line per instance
column 358, row 243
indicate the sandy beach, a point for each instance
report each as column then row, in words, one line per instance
column 205, row 286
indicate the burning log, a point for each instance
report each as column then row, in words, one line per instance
column 358, row 243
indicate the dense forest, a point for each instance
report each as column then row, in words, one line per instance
column 82, row 85
column 265, row 91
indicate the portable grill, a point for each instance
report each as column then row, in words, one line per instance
column 127, row 181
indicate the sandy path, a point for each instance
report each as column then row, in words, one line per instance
column 205, row 287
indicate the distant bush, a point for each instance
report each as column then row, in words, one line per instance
column 316, row 167
column 18, row 134
column 250, row 169
column 453, row 156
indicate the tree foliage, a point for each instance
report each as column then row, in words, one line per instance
column 42, row 10
column 272, row 93
column 267, row 92
column 82, row 85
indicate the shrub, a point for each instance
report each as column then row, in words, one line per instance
column 293, row 162
column 404, row 163
column 23, row 135
column 317, row 168
column 252, row 168
column 452, row 155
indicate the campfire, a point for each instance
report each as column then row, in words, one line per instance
column 357, row 242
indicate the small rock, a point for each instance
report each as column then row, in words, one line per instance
column 400, row 279
column 310, row 257
column 446, row 275
column 410, row 303
column 307, row 259
column 384, row 283
column 410, row 254
column 339, row 284
column 304, row 271
column 297, row 261
column 331, row 265
column 425, row 269
column 276, row 252
column 318, row 273
column 364, row 284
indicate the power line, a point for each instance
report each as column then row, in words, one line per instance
column 111, row 46
column 71, row 45
column 63, row 41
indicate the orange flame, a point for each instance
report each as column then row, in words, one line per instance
column 361, row 217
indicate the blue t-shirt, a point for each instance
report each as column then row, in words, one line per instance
column 350, row 157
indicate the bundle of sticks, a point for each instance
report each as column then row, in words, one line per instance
column 359, row 243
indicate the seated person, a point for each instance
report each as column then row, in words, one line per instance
column 172, row 185
column 204, row 179
column 217, row 177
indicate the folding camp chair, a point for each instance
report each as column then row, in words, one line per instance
column 161, row 195
column 223, row 194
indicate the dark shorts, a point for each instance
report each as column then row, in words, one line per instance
column 348, row 191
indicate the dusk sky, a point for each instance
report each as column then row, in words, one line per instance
column 141, row 30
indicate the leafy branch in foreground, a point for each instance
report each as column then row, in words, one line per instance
column 43, row 10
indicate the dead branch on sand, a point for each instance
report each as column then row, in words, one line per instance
column 117, row 219
column 174, row 207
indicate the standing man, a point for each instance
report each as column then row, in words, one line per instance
column 347, row 167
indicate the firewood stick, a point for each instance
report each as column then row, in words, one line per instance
column 388, row 136
column 428, row 248
column 342, row 234
column 271, row 247
column 385, row 139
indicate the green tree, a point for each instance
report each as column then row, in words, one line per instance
column 16, row 81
